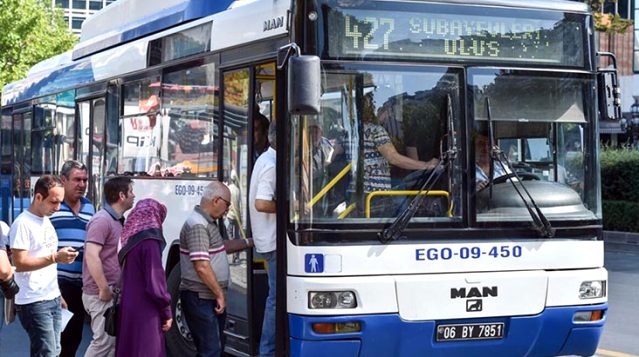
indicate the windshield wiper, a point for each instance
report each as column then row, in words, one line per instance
column 396, row 229
column 540, row 222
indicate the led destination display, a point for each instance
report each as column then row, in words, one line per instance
column 401, row 34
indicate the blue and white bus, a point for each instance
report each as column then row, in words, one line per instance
column 495, row 251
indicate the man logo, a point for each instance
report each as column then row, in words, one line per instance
column 473, row 305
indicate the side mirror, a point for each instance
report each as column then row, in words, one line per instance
column 304, row 85
column 609, row 91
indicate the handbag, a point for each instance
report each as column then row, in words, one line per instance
column 111, row 313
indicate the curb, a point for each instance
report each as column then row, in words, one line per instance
column 621, row 241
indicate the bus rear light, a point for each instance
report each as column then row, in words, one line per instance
column 331, row 300
column 588, row 316
column 592, row 289
column 338, row 327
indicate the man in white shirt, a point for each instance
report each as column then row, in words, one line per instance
column 264, row 228
column 33, row 242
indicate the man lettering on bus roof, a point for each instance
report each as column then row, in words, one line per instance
column 70, row 224
column 205, row 270
column 33, row 243
column 263, row 226
column 100, row 269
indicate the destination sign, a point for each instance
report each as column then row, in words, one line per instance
column 553, row 39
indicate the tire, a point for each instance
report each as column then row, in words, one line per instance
column 178, row 339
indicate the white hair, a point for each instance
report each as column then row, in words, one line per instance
column 212, row 190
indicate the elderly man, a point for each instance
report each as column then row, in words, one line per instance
column 205, row 269
column 33, row 243
column 70, row 225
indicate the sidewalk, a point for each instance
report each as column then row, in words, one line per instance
column 621, row 241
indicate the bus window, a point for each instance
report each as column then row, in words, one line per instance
column 143, row 127
column 42, row 139
column 190, row 97
column 64, row 129
column 365, row 155
column 538, row 123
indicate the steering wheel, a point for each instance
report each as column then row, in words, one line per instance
column 523, row 175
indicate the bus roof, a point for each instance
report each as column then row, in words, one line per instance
column 62, row 72
column 127, row 20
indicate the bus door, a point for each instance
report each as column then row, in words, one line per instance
column 21, row 159
column 91, row 143
column 245, row 91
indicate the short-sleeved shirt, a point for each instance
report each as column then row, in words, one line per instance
column 103, row 229
column 71, row 231
column 376, row 168
column 262, row 187
column 200, row 239
column 4, row 235
column 37, row 236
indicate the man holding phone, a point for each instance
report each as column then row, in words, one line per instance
column 33, row 243
column 70, row 225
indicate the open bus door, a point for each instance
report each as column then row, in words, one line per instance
column 243, row 91
column 246, row 91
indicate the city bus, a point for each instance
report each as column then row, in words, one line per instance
column 438, row 187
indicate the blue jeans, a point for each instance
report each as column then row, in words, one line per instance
column 42, row 322
column 267, row 342
column 207, row 328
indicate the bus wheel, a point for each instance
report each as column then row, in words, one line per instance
column 178, row 340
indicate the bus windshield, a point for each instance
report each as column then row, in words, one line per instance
column 540, row 126
column 380, row 133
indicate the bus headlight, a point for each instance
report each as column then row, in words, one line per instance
column 592, row 289
column 331, row 300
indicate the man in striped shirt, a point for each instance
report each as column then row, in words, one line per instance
column 205, row 269
column 70, row 225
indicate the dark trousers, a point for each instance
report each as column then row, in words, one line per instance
column 72, row 334
column 207, row 328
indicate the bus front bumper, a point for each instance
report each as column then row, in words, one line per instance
column 552, row 332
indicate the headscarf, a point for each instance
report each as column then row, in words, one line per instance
column 144, row 222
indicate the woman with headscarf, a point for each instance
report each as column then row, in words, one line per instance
column 145, row 310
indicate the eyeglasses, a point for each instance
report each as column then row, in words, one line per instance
column 228, row 203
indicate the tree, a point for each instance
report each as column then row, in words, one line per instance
column 610, row 23
column 30, row 31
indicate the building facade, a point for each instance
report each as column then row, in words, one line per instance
column 76, row 11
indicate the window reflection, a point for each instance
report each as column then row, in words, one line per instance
column 539, row 125
column 172, row 134
column 378, row 135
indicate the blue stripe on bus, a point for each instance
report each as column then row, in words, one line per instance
column 547, row 334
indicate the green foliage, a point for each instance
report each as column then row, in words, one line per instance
column 621, row 216
column 620, row 174
column 31, row 31
column 620, row 189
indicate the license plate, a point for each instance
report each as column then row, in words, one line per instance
column 463, row 332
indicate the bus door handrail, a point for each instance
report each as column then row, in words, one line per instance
column 329, row 186
column 438, row 193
